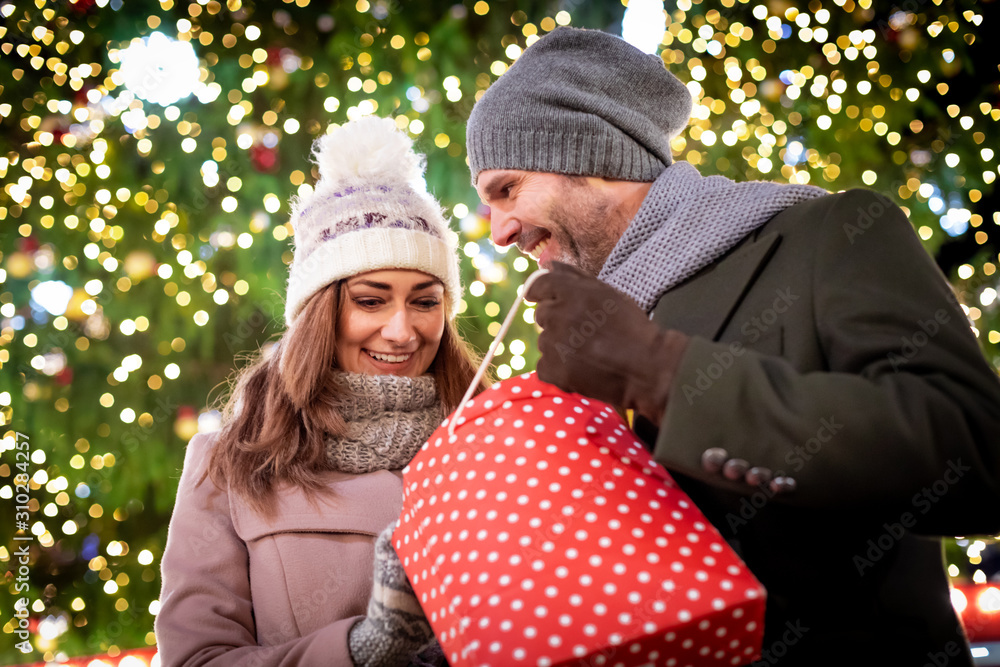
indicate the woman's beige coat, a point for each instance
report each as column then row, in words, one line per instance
column 240, row 590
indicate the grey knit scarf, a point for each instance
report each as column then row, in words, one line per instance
column 388, row 419
column 686, row 222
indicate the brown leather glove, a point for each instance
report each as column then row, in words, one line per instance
column 597, row 342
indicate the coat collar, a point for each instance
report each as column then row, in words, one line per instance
column 703, row 305
column 363, row 504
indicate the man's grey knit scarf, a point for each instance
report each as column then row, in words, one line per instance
column 388, row 419
column 686, row 222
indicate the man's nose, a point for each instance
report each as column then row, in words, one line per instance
column 504, row 228
column 399, row 329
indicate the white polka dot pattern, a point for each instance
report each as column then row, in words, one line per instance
column 543, row 533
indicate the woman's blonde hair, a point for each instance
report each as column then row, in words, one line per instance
column 282, row 407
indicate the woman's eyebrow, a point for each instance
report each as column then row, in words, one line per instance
column 388, row 288
column 372, row 284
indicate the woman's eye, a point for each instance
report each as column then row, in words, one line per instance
column 367, row 303
column 428, row 303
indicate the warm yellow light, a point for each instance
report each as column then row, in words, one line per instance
column 958, row 600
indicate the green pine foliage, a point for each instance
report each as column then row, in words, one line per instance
column 178, row 275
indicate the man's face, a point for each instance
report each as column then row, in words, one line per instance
column 572, row 219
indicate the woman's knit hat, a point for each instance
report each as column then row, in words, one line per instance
column 369, row 210
column 581, row 102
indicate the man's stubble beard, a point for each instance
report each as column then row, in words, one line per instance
column 589, row 224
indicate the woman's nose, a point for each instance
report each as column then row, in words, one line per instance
column 398, row 329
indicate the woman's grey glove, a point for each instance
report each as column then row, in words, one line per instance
column 395, row 630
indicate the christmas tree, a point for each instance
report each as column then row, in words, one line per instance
column 149, row 151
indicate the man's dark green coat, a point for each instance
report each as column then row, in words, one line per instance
column 829, row 347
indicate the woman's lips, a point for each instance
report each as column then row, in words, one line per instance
column 389, row 357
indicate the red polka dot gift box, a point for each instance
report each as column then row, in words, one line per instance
column 542, row 533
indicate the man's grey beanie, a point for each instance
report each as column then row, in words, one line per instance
column 580, row 102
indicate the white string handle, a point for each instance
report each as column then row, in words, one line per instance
column 493, row 348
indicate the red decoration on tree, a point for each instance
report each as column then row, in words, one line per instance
column 264, row 159
column 64, row 377
column 82, row 6
column 28, row 244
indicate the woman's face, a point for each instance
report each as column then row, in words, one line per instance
column 390, row 323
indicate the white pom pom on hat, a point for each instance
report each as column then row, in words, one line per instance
column 369, row 149
column 369, row 210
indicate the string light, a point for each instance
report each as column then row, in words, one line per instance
column 145, row 199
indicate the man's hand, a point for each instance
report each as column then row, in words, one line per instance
column 597, row 342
